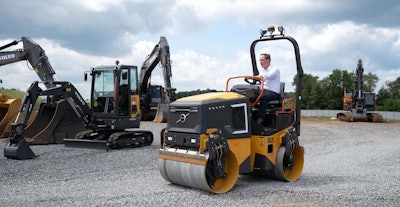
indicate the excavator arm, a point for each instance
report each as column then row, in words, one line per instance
column 34, row 54
column 18, row 147
column 160, row 54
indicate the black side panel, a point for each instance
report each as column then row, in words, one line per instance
column 245, row 166
column 273, row 123
column 262, row 162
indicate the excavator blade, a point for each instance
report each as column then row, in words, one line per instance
column 86, row 143
column 53, row 123
column 162, row 113
column 19, row 150
column 8, row 112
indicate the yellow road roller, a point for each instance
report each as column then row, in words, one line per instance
column 212, row 138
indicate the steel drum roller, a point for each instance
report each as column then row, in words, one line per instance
column 191, row 172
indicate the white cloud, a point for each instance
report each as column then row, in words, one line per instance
column 93, row 5
column 87, row 34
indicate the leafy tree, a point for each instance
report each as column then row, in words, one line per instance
column 310, row 91
column 370, row 81
column 389, row 96
column 390, row 104
column 332, row 88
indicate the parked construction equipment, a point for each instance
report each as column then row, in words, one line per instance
column 56, row 120
column 110, row 122
column 212, row 138
column 360, row 105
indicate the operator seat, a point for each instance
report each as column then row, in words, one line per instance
column 252, row 91
column 277, row 104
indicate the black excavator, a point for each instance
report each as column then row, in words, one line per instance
column 212, row 138
column 359, row 105
column 154, row 99
column 34, row 54
column 111, row 121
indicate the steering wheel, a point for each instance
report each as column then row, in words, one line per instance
column 252, row 81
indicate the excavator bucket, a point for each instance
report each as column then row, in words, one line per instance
column 19, row 150
column 162, row 113
column 53, row 123
column 8, row 111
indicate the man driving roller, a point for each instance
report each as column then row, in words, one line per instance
column 271, row 76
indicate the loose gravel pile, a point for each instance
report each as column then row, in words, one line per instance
column 346, row 164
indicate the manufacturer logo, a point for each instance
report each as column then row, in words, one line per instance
column 7, row 57
column 182, row 118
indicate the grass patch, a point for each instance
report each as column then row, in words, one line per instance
column 13, row 93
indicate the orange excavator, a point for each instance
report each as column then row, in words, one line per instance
column 360, row 105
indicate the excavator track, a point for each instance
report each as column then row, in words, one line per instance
column 345, row 116
column 130, row 139
column 375, row 117
column 105, row 139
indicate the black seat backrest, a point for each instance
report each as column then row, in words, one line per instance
column 278, row 103
column 282, row 90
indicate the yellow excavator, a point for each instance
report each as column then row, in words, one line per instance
column 212, row 138
column 360, row 105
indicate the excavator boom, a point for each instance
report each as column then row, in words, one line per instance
column 160, row 54
column 34, row 54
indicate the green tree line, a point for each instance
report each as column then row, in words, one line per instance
column 328, row 92
column 182, row 94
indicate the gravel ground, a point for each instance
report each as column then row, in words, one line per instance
column 346, row 164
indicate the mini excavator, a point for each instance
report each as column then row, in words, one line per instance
column 212, row 138
column 111, row 121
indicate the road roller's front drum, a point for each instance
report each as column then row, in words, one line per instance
column 191, row 171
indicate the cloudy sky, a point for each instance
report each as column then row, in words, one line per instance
column 209, row 40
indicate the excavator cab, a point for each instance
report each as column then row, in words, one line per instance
column 114, row 91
